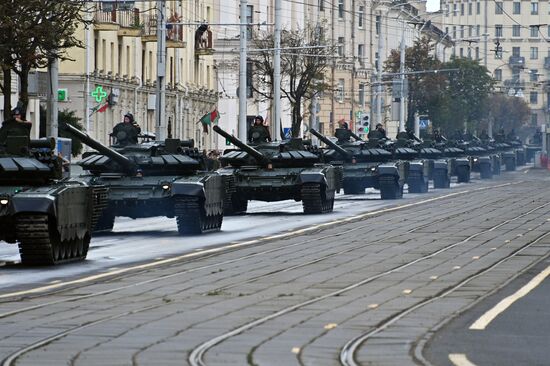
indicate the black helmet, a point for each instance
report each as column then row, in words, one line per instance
column 130, row 116
column 16, row 111
column 260, row 118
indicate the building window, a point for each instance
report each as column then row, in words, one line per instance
column 498, row 30
column 516, row 30
column 478, row 8
column 378, row 24
column 455, row 9
column 470, row 7
column 341, row 50
column 469, row 53
column 477, row 53
column 321, row 5
column 533, row 75
column 361, row 52
column 362, row 95
column 376, row 60
column 470, row 31
column 462, row 9
column 361, row 15
column 517, row 7
column 454, row 31
column 534, row 31
column 533, row 97
column 516, row 51
column 478, row 30
column 549, row 31
column 249, row 20
column 461, row 31
column 340, row 91
column 534, row 54
column 534, row 119
column 534, row 8
column 341, row 9
column 498, row 75
column 498, row 7
column 461, row 52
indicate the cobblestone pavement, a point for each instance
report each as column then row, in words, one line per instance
column 360, row 292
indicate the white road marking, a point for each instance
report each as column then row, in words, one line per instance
column 505, row 303
column 460, row 359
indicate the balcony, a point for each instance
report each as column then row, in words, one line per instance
column 547, row 63
column 514, row 83
column 203, row 41
column 517, row 61
column 125, row 21
column 175, row 37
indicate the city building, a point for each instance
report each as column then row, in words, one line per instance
column 116, row 73
column 511, row 39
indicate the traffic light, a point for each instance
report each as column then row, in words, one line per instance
column 364, row 124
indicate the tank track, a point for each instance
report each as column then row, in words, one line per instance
column 485, row 171
column 417, row 183
column 510, row 165
column 231, row 204
column 390, row 188
column 353, row 187
column 313, row 201
column 496, row 168
column 192, row 219
column 39, row 242
column 99, row 199
column 105, row 222
column 441, row 179
column 462, row 174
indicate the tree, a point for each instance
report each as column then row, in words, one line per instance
column 32, row 34
column 467, row 92
column 304, row 58
column 507, row 112
column 425, row 87
column 69, row 117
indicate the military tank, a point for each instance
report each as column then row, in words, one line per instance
column 276, row 171
column 365, row 164
column 533, row 146
column 154, row 179
column 419, row 169
column 51, row 218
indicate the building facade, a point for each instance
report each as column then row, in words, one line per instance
column 511, row 39
column 116, row 73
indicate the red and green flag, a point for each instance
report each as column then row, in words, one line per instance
column 209, row 118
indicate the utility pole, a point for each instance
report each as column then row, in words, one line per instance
column 242, row 127
column 379, row 72
column 402, row 78
column 485, row 33
column 161, row 71
column 277, row 69
column 353, row 66
column 88, row 70
column 51, row 117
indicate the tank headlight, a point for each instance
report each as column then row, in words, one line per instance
column 269, row 166
column 4, row 201
column 475, row 160
column 373, row 169
column 166, row 187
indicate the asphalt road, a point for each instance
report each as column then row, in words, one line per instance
column 367, row 289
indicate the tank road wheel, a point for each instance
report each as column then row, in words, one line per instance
column 441, row 179
column 106, row 222
column 417, row 183
column 462, row 174
column 353, row 188
column 485, row 171
column 40, row 243
column 313, row 199
column 390, row 189
column 191, row 217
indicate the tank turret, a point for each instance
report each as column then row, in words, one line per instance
column 345, row 154
column 50, row 217
column 258, row 156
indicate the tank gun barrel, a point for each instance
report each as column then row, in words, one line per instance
column 120, row 159
column 47, row 143
column 356, row 137
column 332, row 145
column 258, row 156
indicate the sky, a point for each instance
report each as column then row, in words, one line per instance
column 432, row 5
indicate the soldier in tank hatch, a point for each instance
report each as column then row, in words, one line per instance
column 15, row 126
column 378, row 133
column 127, row 132
column 258, row 132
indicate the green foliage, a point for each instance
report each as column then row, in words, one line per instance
column 507, row 112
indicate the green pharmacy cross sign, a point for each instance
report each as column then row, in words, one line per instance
column 99, row 93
